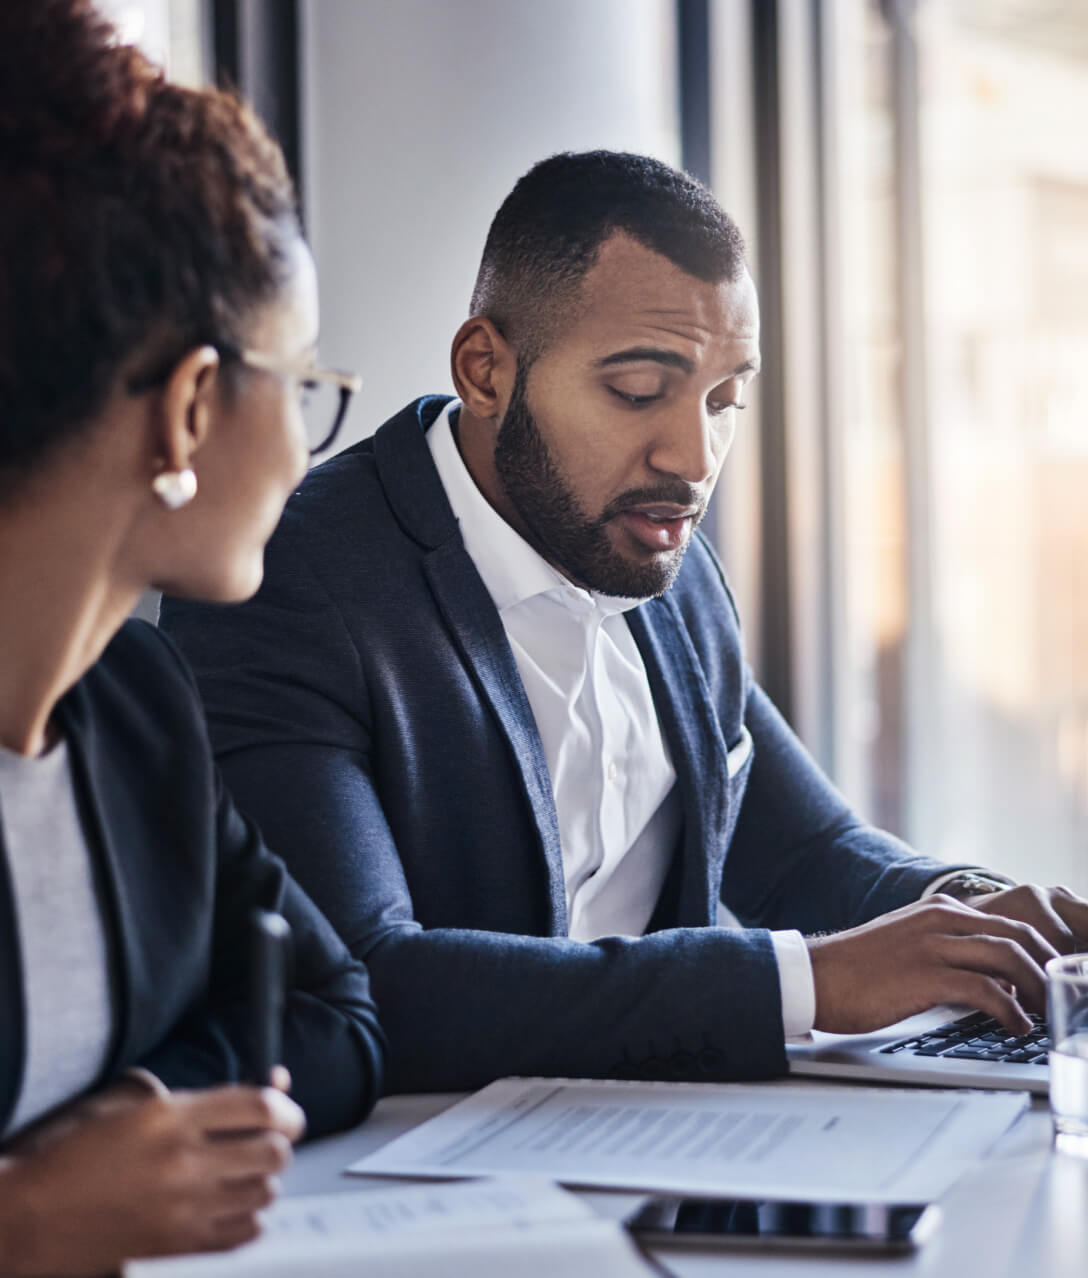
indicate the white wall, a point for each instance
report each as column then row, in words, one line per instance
column 418, row 117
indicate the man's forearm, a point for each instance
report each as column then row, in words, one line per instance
column 462, row 1008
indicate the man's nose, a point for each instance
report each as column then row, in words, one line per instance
column 688, row 447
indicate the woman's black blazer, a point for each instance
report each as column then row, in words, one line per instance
column 180, row 870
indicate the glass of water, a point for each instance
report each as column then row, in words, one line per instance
column 1067, row 1013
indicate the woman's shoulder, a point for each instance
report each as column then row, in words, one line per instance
column 142, row 671
column 140, row 646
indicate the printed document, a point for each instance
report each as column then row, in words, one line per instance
column 489, row 1228
column 774, row 1140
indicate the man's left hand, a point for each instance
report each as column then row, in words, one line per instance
column 1060, row 915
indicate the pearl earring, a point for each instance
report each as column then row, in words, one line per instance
column 175, row 488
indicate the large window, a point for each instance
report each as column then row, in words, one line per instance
column 961, row 180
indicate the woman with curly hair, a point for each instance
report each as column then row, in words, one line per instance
column 158, row 318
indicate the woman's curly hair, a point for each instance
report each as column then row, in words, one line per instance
column 135, row 216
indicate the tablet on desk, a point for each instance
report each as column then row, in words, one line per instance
column 796, row 1226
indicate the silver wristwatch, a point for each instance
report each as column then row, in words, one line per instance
column 968, row 884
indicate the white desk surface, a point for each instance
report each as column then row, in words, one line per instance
column 1022, row 1213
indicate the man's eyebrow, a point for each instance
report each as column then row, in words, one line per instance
column 652, row 354
column 671, row 359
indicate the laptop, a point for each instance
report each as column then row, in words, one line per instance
column 944, row 1047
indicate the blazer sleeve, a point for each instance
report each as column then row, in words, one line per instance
column 332, row 1042
column 462, row 1007
column 288, row 708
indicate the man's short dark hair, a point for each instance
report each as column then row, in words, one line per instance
column 547, row 234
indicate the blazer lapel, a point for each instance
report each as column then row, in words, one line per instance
column 12, row 1006
column 91, row 789
column 419, row 502
column 104, row 803
column 478, row 631
column 690, row 724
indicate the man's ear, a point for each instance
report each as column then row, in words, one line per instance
column 186, row 408
column 484, row 368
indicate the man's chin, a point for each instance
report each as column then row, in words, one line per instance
column 642, row 576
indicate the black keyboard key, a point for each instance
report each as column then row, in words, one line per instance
column 972, row 1021
column 978, row 1037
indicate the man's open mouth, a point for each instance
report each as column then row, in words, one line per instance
column 659, row 528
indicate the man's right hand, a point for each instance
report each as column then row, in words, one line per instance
column 933, row 951
column 184, row 1172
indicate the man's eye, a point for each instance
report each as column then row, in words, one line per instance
column 306, row 389
column 636, row 400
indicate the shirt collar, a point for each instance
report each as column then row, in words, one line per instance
column 511, row 569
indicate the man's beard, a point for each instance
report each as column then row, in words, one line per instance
column 556, row 526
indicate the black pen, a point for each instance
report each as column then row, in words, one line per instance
column 269, row 947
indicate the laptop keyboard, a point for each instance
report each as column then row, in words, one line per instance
column 979, row 1037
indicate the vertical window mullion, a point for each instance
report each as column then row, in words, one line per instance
column 775, row 657
column 918, row 674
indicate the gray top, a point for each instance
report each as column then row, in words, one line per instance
column 62, row 941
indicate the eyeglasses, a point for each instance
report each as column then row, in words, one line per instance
column 325, row 392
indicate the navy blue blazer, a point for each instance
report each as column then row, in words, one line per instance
column 180, row 871
column 367, row 711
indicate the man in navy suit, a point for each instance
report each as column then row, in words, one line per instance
column 491, row 704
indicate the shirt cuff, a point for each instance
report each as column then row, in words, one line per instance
column 795, row 983
column 935, row 885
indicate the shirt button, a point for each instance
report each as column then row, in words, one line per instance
column 613, row 771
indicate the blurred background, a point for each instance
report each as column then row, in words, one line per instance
column 905, row 513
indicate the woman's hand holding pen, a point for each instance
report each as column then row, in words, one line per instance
column 134, row 1173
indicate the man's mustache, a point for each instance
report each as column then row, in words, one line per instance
column 677, row 494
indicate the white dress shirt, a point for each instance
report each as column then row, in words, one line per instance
column 616, row 800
